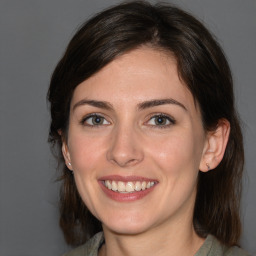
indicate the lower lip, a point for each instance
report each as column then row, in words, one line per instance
column 126, row 197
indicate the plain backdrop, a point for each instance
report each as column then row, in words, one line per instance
column 33, row 36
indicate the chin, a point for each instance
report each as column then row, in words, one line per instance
column 134, row 229
column 129, row 224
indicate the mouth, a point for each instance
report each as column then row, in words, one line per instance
column 128, row 186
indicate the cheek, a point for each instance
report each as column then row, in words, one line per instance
column 86, row 156
column 175, row 152
column 178, row 158
column 85, row 152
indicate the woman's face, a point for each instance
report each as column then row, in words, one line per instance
column 135, row 143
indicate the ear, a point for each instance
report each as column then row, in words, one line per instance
column 215, row 146
column 65, row 152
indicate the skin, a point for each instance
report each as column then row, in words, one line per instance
column 130, row 142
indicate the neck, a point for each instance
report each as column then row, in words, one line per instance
column 161, row 241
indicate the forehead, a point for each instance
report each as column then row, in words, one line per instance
column 136, row 76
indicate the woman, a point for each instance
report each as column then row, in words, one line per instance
column 143, row 117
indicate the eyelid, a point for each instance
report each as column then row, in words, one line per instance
column 150, row 117
column 91, row 115
column 167, row 116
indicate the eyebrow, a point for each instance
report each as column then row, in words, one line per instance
column 94, row 103
column 141, row 106
column 158, row 102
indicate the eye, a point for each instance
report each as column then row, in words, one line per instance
column 161, row 120
column 95, row 120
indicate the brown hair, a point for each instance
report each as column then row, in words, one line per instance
column 201, row 65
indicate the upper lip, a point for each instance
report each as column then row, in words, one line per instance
column 125, row 178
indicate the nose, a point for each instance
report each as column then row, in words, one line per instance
column 125, row 148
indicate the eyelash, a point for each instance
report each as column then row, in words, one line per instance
column 162, row 116
column 95, row 115
column 171, row 120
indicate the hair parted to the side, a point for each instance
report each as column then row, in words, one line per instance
column 205, row 71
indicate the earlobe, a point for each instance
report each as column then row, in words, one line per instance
column 65, row 152
column 215, row 146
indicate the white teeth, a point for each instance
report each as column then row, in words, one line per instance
column 143, row 185
column 128, row 187
column 108, row 184
column 114, row 186
column 120, row 186
column 138, row 186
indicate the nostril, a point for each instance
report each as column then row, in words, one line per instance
column 132, row 161
column 124, row 162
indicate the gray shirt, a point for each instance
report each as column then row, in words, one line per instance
column 210, row 247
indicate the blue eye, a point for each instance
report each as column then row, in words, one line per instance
column 95, row 120
column 161, row 120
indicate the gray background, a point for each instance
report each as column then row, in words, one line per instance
column 34, row 35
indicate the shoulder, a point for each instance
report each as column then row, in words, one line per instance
column 90, row 248
column 213, row 247
column 236, row 251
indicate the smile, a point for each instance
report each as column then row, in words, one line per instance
column 128, row 187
